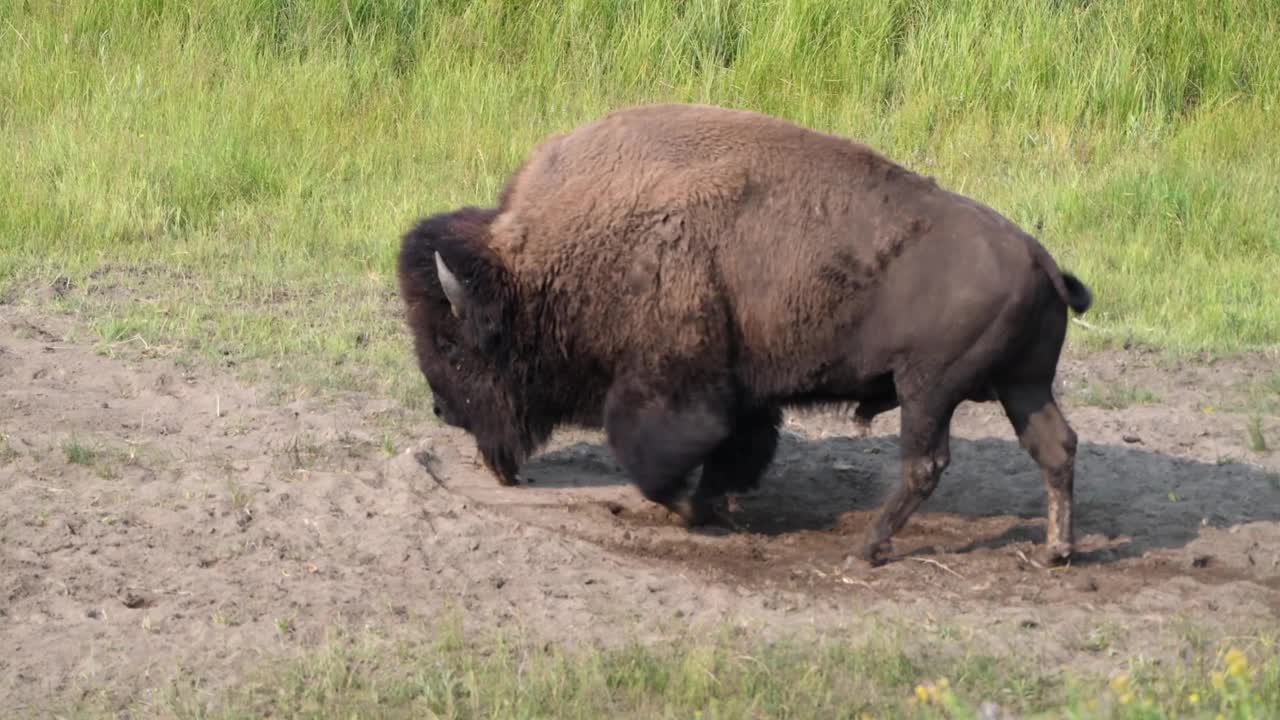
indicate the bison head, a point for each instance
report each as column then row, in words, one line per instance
column 453, row 293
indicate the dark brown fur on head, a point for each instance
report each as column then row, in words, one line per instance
column 458, row 356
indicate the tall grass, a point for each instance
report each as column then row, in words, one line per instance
column 232, row 175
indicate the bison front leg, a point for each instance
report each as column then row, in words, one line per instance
column 501, row 463
column 925, row 453
column 1044, row 433
column 737, row 464
column 659, row 442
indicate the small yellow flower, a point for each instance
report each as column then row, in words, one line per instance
column 1219, row 716
column 1119, row 684
column 1237, row 663
column 1218, row 680
column 922, row 694
column 1193, row 698
column 943, row 684
column 1126, row 698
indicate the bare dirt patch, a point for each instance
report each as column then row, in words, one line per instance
column 160, row 521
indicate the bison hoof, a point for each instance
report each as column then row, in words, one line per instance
column 508, row 480
column 693, row 512
column 875, row 553
column 1054, row 555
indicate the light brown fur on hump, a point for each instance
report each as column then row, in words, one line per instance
column 694, row 202
column 671, row 157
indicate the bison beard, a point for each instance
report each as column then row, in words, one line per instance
column 678, row 274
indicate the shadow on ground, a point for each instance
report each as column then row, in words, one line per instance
column 1149, row 499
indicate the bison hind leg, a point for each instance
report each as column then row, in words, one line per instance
column 659, row 440
column 1044, row 433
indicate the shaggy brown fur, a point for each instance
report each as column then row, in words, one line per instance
column 679, row 273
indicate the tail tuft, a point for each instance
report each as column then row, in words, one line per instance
column 1079, row 299
column 1068, row 286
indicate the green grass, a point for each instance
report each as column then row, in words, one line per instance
column 77, row 453
column 232, row 176
column 1272, row 385
column 7, row 452
column 722, row 677
column 1114, row 396
column 1257, row 436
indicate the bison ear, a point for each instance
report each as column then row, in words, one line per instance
column 452, row 288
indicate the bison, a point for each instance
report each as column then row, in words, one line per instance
column 679, row 274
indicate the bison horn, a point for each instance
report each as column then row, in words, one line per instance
column 452, row 288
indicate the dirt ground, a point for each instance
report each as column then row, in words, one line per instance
column 159, row 521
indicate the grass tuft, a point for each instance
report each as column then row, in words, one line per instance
column 77, row 453
column 1257, row 438
column 7, row 452
column 1115, row 396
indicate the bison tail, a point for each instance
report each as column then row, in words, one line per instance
column 1078, row 296
column 1068, row 286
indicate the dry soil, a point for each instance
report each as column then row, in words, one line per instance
column 159, row 520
